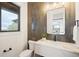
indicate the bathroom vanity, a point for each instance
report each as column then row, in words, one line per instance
column 50, row 48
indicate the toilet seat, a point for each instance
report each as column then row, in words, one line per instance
column 26, row 53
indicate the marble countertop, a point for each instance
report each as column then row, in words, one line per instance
column 60, row 45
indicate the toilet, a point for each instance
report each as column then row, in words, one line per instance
column 28, row 52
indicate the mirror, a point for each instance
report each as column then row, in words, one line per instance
column 9, row 20
column 56, row 21
column 10, row 17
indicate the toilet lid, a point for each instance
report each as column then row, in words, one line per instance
column 26, row 53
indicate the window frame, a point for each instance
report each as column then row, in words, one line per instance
column 7, row 7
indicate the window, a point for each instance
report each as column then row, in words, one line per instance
column 9, row 17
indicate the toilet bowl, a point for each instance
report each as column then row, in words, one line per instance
column 28, row 52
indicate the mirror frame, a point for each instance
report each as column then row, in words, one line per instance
column 10, row 6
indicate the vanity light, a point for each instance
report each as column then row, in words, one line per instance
column 53, row 5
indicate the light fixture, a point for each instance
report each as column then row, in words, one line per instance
column 53, row 5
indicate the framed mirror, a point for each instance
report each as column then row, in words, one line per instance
column 9, row 17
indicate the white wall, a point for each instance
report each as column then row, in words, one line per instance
column 77, row 18
column 77, row 10
column 15, row 40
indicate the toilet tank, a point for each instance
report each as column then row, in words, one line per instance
column 31, row 45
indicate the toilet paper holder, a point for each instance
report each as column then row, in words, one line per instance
column 7, row 50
